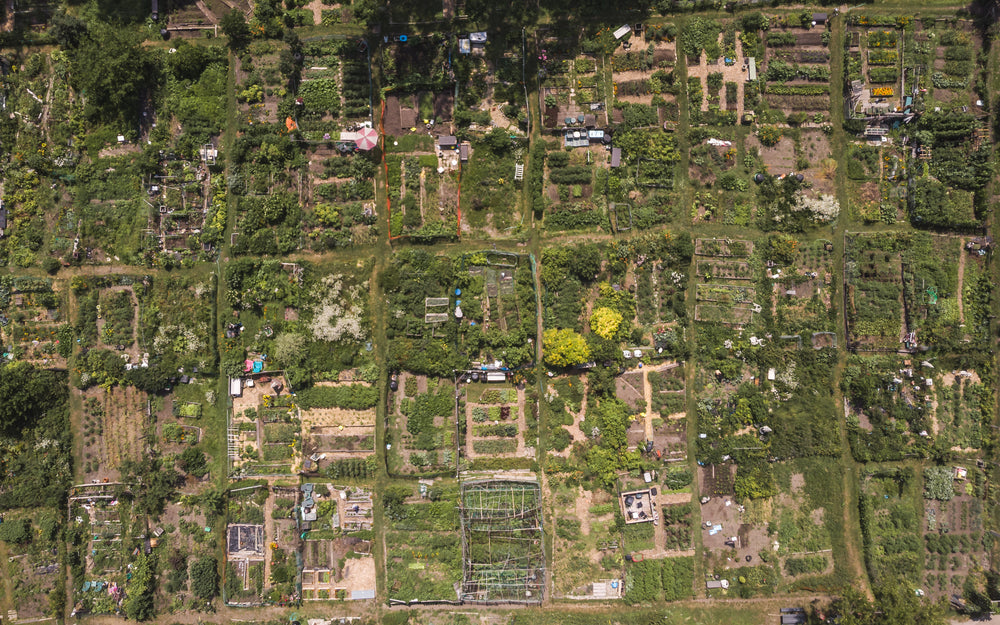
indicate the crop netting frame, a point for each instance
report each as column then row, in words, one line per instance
column 503, row 555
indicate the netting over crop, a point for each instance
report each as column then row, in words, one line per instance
column 503, row 556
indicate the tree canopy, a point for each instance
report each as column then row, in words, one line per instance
column 114, row 72
column 564, row 348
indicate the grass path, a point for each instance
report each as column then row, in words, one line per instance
column 838, row 144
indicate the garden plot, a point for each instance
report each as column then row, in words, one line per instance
column 503, row 556
column 336, row 547
column 953, row 529
column 889, row 407
column 114, row 428
column 32, row 321
column 180, row 536
column 803, row 292
column 586, row 547
column 267, row 427
column 725, row 303
column 869, row 193
column 644, row 71
column 874, row 57
column 113, row 549
column 424, row 202
column 474, row 309
column 569, row 191
column 260, row 85
column 335, row 84
column 504, row 100
column 419, row 112
column 559, row 68
column 723, row 248
column 243, row 583
column 724, row 269
column 726, row 196
column 953, row 171
column 948, row 54
column 796, row 71
column 873, row 284
column 660, row 292
column 490, row 208
column 813, row 149
column 179, row 204
column 890, row 268
column 724, row 519
column 422, row 541
column 716, row 83
column 957, row 407
column 564, row 405
column 496, row 423
column 805, row 526
column 711, row 159
column 337, row 569
column 261, row 538
column 778, row 159
column 341, row 192
column 891, row 522
column 421, row 427
column 30, row 564
column 338, row 421
column 574, row 89
column 667, row 403
column 117, row 315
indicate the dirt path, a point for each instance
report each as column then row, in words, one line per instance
column 47, row 106
column 582, row 506
column 961, row 278
column 269, row 536
column 647, row 392
column 208, row 12
column 423, row 192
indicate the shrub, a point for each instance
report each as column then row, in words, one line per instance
column 193, row 462
column 16, row 531
column 769, row 135
column 205, row 578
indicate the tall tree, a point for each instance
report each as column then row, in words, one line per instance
column 235, row 27
column 114, row 72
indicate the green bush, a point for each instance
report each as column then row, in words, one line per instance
column 15, row 531
column 205, row 577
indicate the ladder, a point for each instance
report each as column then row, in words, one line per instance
column 519, row 171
